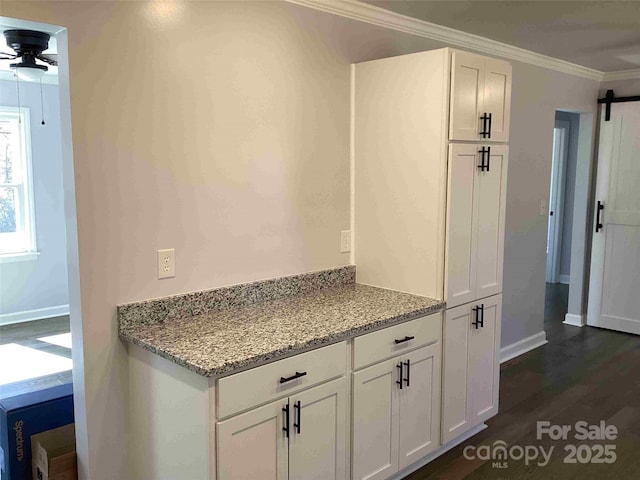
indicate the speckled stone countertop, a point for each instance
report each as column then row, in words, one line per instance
column 233, row 338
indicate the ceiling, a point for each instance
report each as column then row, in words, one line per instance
column 604, row 34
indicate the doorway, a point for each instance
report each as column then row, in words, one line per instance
column 555, row 233
column 560, row 208
column 35, row 338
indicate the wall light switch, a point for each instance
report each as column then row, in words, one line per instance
column 345, row 241
column 543, row 208
column 166, row 263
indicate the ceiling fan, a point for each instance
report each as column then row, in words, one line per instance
column 28, row 45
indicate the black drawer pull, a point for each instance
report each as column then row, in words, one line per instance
column 405, row 339
column 293, row 377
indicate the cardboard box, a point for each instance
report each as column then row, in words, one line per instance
column 54, row 454
column 25, row 415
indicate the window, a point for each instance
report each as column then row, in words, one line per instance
column 17, row 229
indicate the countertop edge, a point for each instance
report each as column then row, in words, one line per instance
column 278, row 354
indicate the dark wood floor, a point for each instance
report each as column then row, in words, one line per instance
column 27, row 334
column 585, row 374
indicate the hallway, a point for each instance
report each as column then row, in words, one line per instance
column 585, row 374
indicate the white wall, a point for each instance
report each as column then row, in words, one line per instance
column 569, row 189
column 41, row 283
column 222, row 130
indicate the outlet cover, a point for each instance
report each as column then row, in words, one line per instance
column 345, row 241
column 166, row 263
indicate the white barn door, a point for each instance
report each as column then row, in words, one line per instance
column 614, row 287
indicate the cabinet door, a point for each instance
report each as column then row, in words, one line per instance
column 375, row 421
column 254, row 445
column 460, row 267
column 456, row 397
column 420, row 404
column 497, row 98
column 317, row 442
column 467, row 86
column 490, row 187
column 484, row 362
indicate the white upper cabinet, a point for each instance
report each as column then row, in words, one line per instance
column 475, row 222
column 480, row 98
column 400, row 143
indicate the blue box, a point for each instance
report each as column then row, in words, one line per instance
column 25, row 415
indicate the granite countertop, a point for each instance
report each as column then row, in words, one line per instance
column 226, row 340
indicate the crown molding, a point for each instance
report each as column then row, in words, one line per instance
column 622, row 75
column 365, row 12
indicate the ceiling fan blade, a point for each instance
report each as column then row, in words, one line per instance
column 8, row 56
column 50, row 58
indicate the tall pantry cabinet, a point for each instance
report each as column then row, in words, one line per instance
column 430, row 163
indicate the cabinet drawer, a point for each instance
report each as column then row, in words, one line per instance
column 382, row 344
column 259, row 385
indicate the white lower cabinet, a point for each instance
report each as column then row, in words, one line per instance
column 299, row 437
column 471, row 369
column 417, row 385
column 396, row 413
column 253, row 445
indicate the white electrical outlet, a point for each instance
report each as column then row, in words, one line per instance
column 345, row 241
column 166, row 263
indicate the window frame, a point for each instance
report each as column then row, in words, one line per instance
column 25, row 204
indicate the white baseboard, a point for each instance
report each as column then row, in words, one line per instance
column 566, row 279
column 574, row 320
column 28, row 315
column 443, row 449
column 523, row 346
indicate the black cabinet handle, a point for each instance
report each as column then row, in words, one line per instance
column 298, row 408
column 482, row 165
column 485, row 166
column 482, row 315
column 399, row 382
column 476, row 311
column 405, row 339
column 489, row 132
column 484, row 131
column 600, row 208
column 489, row 150
column 408, row 379
column 293, row 377
column 285, row 429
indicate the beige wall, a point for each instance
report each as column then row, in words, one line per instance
column 222, row 130
column 622, row 88
column 217, row 129
column 537, row 94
